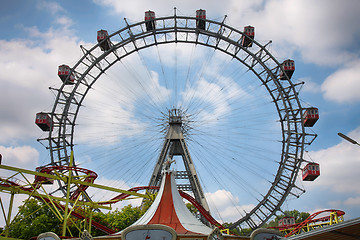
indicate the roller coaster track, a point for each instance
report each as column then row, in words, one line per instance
column 312, row 222
column 6, row 183
column 188, row 197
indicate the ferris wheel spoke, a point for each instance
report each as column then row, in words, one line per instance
column 216, row 169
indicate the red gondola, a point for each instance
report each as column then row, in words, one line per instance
column 310, row 116
column 200, row 19
column 286, row 221
column 64, row 74
column 311, row 171
column 289, row 68
column 103, row 40
column 43, row 120
column 149, row 20
column 247, row 40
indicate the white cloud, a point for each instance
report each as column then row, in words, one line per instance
column 339, row 167
column 172, row 55
column 336, row 204
column 309, row 85
column 28, row 68
column 321, row 34
column 52, row 7
column 57, row 11
column 23, row 157
column 353, row 201
column 317, row 32
column 343, row 86
column 161, row 8
column 225, row 206
column 103, row 195
column 64, row 21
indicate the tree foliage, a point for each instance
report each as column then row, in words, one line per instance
column 36, row 217
column 299, row 217
column 238, row 232
column 192, row 209
column 119, row 219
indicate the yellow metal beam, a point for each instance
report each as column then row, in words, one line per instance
column 9, row 215
column 36, row 194
column 52, row 206
column 15, row 169
column 64, row 179
column 32, row 190
column 66, row 216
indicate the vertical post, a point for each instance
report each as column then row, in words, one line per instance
column 3, row 209
column 90, row 220
column 67, row 195
column 175, row 145
column 307, row 227
column 9, row 214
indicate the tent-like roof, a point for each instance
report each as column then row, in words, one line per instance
column 169, row 209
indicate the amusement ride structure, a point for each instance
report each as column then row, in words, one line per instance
column 184, row 90
column 316, row 220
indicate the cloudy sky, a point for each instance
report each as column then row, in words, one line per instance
column 323, row 37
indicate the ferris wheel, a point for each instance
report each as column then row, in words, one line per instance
column 241, row 114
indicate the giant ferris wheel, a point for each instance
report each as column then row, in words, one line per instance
column 174, row 87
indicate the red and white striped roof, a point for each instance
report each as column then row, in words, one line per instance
column 169, row 209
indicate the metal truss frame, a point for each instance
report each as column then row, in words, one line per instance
column 60, row 205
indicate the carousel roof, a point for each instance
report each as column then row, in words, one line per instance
column 169, row 209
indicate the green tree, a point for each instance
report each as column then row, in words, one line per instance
column 192, row 209
column 242, row 232
column 34, row 218
column 120, row 219
column 299, row 217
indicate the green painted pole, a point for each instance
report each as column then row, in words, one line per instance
column 90, row 220
column 9, row 215
column 67, row 195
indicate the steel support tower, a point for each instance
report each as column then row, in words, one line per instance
column 175, row 145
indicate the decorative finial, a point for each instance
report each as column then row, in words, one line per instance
column 168, row 163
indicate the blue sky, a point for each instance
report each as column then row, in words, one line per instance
column 322, row 37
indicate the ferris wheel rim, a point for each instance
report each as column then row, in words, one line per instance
column 286, row 123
